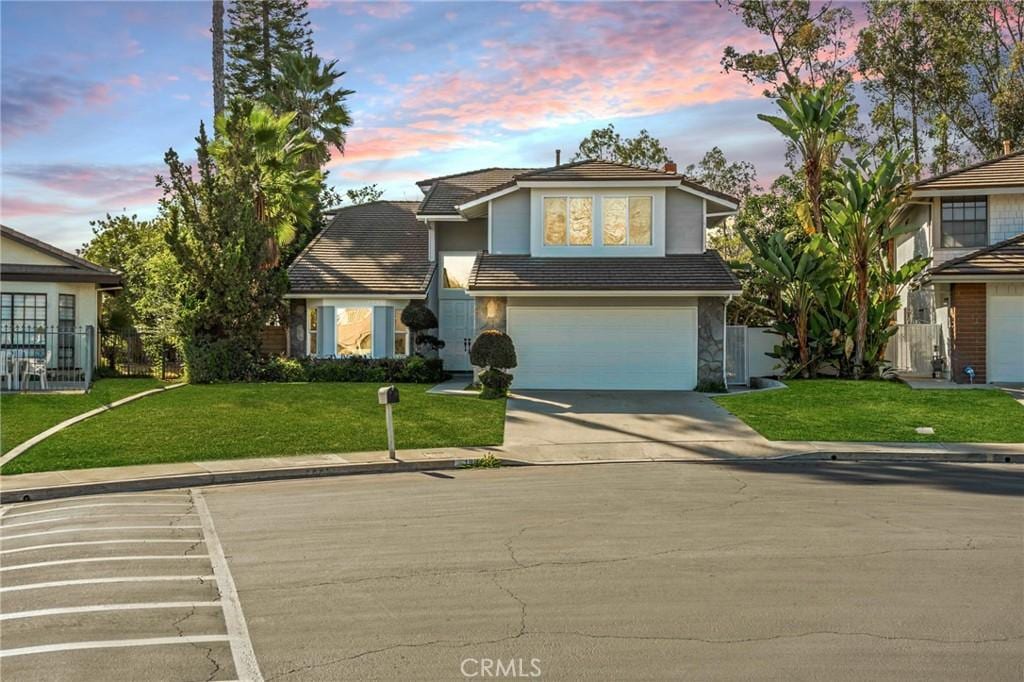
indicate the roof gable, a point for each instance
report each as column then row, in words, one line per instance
column 449, row 191
column 1002, row 171
column 35, row 260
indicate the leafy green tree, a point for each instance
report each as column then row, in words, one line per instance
column 604, row 144
column 863, row 200
column 258, row 150
column 365, row 195
column 809, row 43
column 738, row 178
column 815, row 121
column 261, row 32
column 149, row 273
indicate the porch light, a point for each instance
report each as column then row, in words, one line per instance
column 492, row 309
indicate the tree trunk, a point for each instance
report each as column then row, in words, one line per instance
column 218, row 57
column 801, row 338
column 813, row 172
column 267, row 60
column 861, row 333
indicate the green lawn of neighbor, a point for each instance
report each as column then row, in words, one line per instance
column 830, row 409
column 23, row 415
column 225, row 421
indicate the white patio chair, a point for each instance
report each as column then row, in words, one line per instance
column 7, row 368
column 36, row 367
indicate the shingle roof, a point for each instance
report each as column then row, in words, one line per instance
column 77, row 269
column 1004, row 258
column 1003, row 171
column 449, row 191
column 373, row 248
column 683, row 272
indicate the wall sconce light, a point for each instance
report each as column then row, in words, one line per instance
column 492, row 309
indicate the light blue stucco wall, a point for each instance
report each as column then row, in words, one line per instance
column 510, row 223
column 684, row 222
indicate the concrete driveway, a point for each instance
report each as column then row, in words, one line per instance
column 537, row 418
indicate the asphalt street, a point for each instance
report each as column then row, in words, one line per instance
column 834, row 571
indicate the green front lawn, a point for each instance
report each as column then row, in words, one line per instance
column 23, row 415
column 260, row 420
column 829, row 409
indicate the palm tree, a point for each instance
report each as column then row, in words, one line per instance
column 261, row 145
column 306, row 85
column 816, row 120
column 859, row 216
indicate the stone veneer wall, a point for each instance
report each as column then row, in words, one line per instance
column 297, row 327
column 968, row 331
column 499, row 309
column 711, row 340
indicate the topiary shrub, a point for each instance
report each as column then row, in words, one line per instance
column 419, row 318
column 495, row 351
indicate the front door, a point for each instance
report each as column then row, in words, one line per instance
column 456, row 328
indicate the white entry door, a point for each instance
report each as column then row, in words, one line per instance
column 456, row 329
column 1005, row 332
column 608, row 347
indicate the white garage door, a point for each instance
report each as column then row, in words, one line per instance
column 1006, row 332
column 604, row 347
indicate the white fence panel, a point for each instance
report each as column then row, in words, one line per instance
column 735, row 354
column 912, row 348
column 760, row 342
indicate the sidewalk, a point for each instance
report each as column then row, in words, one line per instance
column 54, row 484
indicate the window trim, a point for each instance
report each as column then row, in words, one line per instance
column 312, row 328
column 567, row 198
column 962, row 199
column 396, row 332
column 629, row 232
column 7, row 336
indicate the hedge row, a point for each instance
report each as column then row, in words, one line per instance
column 413, row 370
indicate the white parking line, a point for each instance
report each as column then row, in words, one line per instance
column 102, row 504
column 147, row 541
column 108, row 607
column 96, row 498
column 246, row 666
column 90, row 517
column 8, row 538
column 111, row 644
column 106, row 581
column 101, row 559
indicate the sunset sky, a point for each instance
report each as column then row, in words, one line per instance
column 95, row 92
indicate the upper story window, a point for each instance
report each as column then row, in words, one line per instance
column 568, row 221
column 964, row 222
column 626, row 220
column 456, row 269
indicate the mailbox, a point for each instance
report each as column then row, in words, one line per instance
column 387, row 395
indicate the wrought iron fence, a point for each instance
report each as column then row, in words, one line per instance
column 138, row 353
column 40, row 358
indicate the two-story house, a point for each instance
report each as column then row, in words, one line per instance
column 599, row 272
column 970, row 222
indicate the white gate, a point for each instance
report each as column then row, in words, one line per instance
column 912, row 348
column 736, row 354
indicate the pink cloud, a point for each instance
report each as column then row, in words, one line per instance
column 20, row 207
column 85, row 180
column 369, row 144
column 378, row 10
column 451, row 16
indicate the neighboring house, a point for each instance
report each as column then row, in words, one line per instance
column 49, row 298
column 970, row 222
column 599, row 272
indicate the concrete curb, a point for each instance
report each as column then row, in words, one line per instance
column 39, row 437
column 322, row 471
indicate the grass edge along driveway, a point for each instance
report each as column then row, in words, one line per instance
column 229, row 421
column 879, row 411
column 23, row 415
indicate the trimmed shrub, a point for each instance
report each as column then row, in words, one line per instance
column 412, row 370
column 495, row 351
column 281, row 370
column 218, row 361
column 417, row 316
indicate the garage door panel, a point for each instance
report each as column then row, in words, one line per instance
column 604, row 347
column 1006, row 332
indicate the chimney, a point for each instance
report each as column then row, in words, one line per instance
column 558, row 157
column 1006, row 147
column 670, row 167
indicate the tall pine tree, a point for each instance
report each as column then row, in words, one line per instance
column 260, row 33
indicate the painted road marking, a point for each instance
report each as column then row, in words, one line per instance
column 97, row 498
column 103, row 581
column 102, row 504
column 90, row 530
column 89, row 517
column 246, row 666
column 101, row 559
column 111, row 644
column 108, row 607
column 100, row 542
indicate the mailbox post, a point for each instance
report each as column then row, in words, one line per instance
column 388, row 396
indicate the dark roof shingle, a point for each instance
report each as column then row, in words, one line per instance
column 374, row 248
column 449, row 191
column 1002, row 259
column 682, row 272
column 1003, row 171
